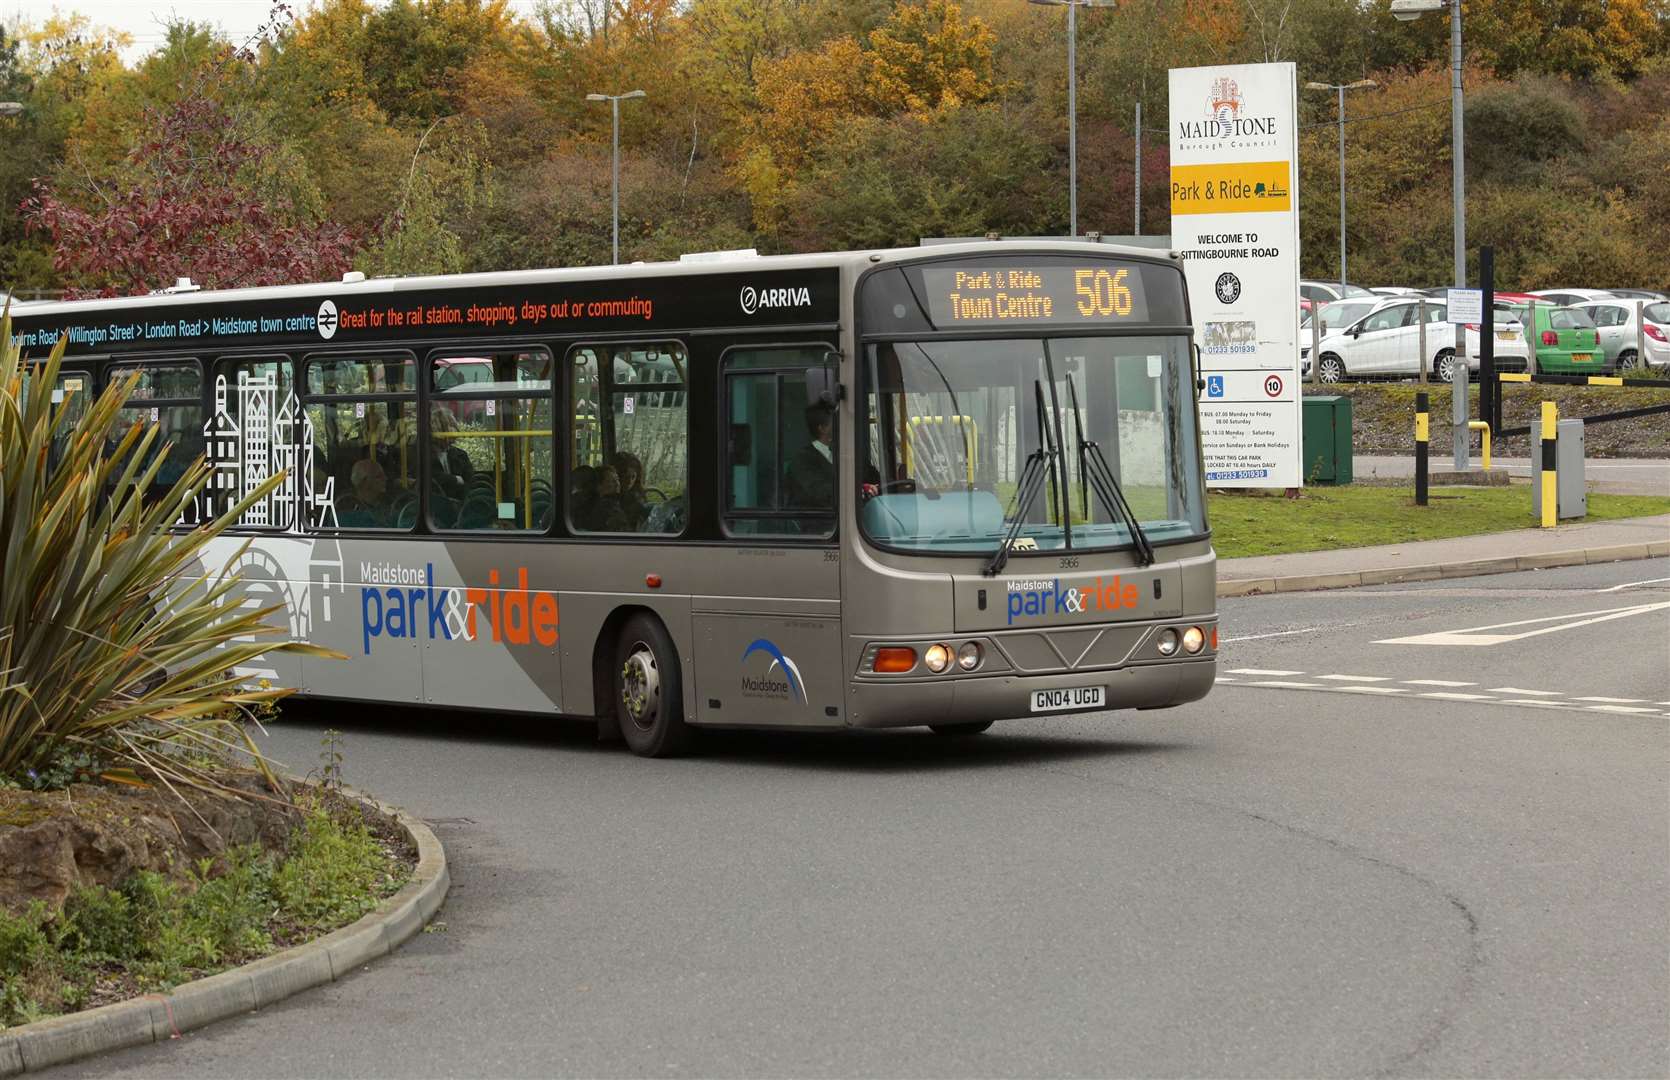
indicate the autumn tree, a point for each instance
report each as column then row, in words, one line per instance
column 188, row 207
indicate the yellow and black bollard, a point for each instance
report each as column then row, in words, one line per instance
column 1422, row 423
column 1547, row 478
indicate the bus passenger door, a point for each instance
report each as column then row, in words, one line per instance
column 767, row 627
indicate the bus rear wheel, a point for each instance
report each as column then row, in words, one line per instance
column 649, row 689
column 972, row 728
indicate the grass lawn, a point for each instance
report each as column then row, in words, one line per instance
column 1265, row 523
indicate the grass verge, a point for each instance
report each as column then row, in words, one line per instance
column 1266, row 523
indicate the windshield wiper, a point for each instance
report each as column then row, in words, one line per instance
column 1040, row 466
column 1094, row 467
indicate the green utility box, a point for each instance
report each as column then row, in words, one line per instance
column 1326, row 430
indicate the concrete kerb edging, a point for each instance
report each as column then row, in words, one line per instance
column 1434, row 571
column 160, row 1017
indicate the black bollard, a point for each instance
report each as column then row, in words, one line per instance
column 1422, row 422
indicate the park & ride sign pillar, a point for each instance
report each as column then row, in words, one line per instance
column 1235, row 221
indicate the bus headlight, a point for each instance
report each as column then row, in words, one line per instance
column 1167, row 642
column 1194, row 640
column 937, row 657
column 968, row 656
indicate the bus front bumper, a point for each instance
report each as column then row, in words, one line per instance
column 962, row 699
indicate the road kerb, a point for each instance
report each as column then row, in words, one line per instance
column 1233, row 587
column 159, row 1017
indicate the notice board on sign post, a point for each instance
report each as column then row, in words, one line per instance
column 1235, row 220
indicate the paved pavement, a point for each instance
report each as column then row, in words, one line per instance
column 1618, row 476
column 1577, row 537
column 1355, row 857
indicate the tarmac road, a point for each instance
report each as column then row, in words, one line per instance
column 1366, row 874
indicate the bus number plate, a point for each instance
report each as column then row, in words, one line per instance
column 1069, row 697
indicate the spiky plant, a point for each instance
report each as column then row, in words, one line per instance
column 113, row 635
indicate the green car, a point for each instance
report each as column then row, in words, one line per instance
column 1565, row 339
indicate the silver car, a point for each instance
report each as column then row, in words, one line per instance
column 1621, row 341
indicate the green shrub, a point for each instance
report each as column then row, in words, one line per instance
column 98, row 924
column 332, row 873
column 88, row 657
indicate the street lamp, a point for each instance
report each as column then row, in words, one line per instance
column 614, row 101
column 11, row 108
column 1405, row 11
column 1072, row 100
column 1360, row 84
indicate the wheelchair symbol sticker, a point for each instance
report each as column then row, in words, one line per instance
column 1214, row 386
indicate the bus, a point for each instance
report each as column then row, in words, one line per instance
column 933, row 486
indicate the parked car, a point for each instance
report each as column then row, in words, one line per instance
column 1386, row 341
column 1648, row 295
column 1572, row 297
column 1342, row 313
column 1620, row 340
column 1328, row 291
column 1565, row 339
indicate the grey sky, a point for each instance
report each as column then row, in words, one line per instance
column 144, row 20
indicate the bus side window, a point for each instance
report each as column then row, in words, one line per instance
column 489, row 452
column 628, row 448
column 780, row 463
column 362, row 412
column 169, row 394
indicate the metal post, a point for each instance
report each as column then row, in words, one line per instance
column 1546, row 483
column 1315, row 342
column 1138, row 186
column 1342, row 186
column 1072, row 118
column 1459, row 433
column 1422, row 421
column 1640, row 336
column 1420, row 313
column 614, row 103
column 1458, row 178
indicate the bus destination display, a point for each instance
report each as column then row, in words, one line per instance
column 986, row 295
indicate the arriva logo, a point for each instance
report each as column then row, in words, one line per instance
column 758, row 299
column 790, row 686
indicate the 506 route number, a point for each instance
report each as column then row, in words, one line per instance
column 1102, row 292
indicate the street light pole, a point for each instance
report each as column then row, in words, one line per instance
column 1360, row 84
column 1073, row 101
column 614, row 101
column 1404, row 11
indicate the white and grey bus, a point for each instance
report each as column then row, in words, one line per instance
column 935, row 487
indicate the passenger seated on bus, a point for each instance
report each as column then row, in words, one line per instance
column 633, row 501
column 811, row 473
column 366, row 506
column 608, row 514
column 582, row 495
column 450, row 470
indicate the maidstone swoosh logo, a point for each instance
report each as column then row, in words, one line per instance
column 791, row 672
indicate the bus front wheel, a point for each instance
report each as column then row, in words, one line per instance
column 973, row 728
column 649, row 689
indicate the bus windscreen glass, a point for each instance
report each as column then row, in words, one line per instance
column 988, row 294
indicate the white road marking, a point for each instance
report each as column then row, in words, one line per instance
column 1437, row 682
column 1618, row 709
column 1261, row 671
column 1290, row 685
column 1220, row 678
column 1522, row 690
column 1543, row 702
column 1357, row 678
column 1459, row 697
column 1472, row 635
column 1634, row 584
column 1369, row 689
column 1279, row 633
column 1614, row 700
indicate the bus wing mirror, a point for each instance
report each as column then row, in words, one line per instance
column 823, row 384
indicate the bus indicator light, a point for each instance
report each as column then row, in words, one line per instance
column 652, row 580
column 895, row 660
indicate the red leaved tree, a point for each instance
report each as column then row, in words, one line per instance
column 196, row 199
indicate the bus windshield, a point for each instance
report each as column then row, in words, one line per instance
column 950, row 429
